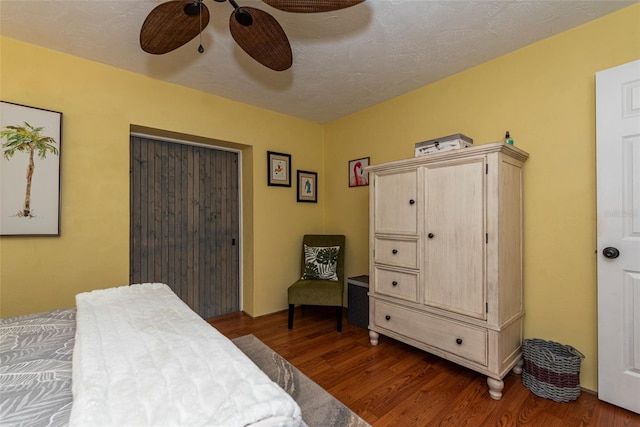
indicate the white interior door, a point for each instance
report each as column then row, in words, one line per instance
column 618, row 173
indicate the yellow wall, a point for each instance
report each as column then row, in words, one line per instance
column 544, row 95
column 99, row 105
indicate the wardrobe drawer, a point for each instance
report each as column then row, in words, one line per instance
column 466, row 341
column 401, row 253
column 396, row 284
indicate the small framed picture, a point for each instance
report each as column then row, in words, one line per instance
column 307, row 186
column 31, row 140
column 357, row 176
column 278, row 169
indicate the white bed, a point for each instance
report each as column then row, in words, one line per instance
column 141, row 357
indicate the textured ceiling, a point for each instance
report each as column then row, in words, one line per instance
column 343, row 61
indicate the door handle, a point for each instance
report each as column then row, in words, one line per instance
column 610, row 252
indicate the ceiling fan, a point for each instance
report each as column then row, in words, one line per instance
column 176, row 22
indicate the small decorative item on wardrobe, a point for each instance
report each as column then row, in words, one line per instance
column 508, row 139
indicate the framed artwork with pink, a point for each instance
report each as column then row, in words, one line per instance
column 357, row 175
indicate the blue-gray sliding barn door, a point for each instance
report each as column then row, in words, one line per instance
column 184, row 227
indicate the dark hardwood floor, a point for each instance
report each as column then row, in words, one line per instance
column 394, row 384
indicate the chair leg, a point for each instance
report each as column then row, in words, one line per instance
column 339, row 311
column 290, row 316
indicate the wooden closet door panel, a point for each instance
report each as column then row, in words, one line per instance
column 185, row 222
column 455, row 237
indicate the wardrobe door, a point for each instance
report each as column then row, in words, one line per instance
column 454, row 231
column 395, row 209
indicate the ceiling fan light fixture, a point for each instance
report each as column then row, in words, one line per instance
column 174, row 23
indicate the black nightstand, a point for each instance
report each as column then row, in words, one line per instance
column 358, row 301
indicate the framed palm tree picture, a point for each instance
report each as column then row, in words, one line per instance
column 31, row 140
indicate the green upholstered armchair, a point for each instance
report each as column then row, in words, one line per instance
column 319, row 291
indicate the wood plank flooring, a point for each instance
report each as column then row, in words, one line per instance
column 394, row 384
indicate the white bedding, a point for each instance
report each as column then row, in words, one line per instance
column 143, row 358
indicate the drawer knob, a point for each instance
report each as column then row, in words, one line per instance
column 459, row 341
column 395, row 251
column 431, row 235
column 387, row 317
column 412, row 202
column 394, row 283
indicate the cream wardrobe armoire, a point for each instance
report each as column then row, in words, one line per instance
column 446, row 256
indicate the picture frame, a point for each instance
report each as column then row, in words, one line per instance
column 278, row 169
column 357, row 176
column 31, row 142
column 307, row 186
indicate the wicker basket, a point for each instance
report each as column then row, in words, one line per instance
column 551, row 370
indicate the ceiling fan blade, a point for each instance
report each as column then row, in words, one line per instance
column 168, row 26
column 311, row 6
column 264, row 39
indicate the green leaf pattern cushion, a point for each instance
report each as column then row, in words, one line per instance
column 320, row 262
